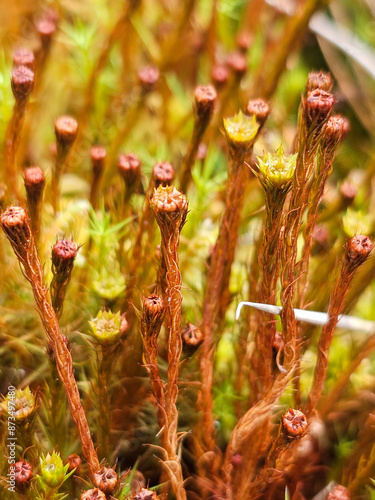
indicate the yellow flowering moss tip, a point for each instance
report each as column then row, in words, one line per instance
column 19, row 404
column 241, row 130
column 277, row 168
column 106, row 328
column 52, row 471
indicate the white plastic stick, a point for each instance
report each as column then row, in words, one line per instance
column 314, row 317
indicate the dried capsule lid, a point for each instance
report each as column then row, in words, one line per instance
column 145, row 494
column 294, row 424
column 319, row 80
column 358, row 249
column 13, row 217
column 23, row 471
column 191, row 335
column 153, row 304
column 15, row 223
column 93, row 494
column 106, row 479
column 169, row 199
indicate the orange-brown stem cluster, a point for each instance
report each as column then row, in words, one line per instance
column 15, row 224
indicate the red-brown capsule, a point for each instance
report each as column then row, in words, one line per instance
column 153, row 312
column 202, row 151
column 63, row 254
column 294, row 424
column 15, row 224
column 149, row 77
column 236, row 460
column 106, row 480
column 66, row 129
column 260, row 109
column 317, row 107
column 357, row 250
column 22, row 82
column 162, row 174
column 192, row 337
column 244, row 40
column 319, row 80
column 339, row 493
column 205, row 99
column 46, row 27
column 237, row 63
column 348, row 192
column 23, row 472
column 320, row 239
column 170, row 208
column 34, row 182
column 74, row 462
column 24, row 57
column 337, row 129
column 98, row 155
column 94, row 494
column 220, row 75
column 145, row 494
column 129, row 167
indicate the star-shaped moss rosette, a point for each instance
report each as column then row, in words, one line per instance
column 241, row 131
column 19, row 404
column 53, row 473
column 106, row 328
column 276, row 170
